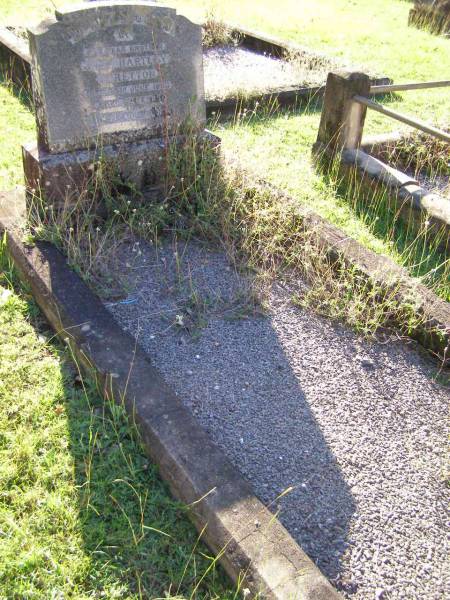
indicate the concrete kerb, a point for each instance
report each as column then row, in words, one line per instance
column 251, row 544
column 414, row 203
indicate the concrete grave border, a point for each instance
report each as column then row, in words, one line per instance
column 291, row 97
column 434, row 332
column 249, row 541
column 14, row 56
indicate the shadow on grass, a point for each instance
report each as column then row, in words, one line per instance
column 420, row 253
column 137, row 537
column 130, row 539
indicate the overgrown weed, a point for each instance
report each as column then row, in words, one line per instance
column 217, row 33
column 209, row 198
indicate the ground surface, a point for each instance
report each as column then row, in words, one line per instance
column 439, row 184
column 373, row 35
column 231, row 71
column 357, row 428
column 57, row 543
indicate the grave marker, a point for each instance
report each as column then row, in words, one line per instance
column 112, row 74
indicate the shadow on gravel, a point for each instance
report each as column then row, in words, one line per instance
column 204, row 330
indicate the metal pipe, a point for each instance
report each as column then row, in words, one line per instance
column 400, row 87
column 411, row 121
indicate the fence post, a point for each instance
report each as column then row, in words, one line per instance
column 342, row 121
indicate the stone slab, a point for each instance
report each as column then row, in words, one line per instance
column 62, row 177
column 120, row 71
column 15, row 59
column 252, row 545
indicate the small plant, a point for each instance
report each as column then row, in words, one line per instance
column 217, row 33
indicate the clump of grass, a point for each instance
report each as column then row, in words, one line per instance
column 434, row 17
column 217, row 33
column 91, row 227
column 209, row 198
column 419, row 245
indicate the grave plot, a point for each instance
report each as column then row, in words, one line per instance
column 243, row 67
column 109, row 113
column 423, row 211
column 301, row 405
column 330, row 430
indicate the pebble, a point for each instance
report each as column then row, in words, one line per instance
column 362, row 440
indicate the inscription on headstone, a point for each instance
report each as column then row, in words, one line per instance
column 116, row 72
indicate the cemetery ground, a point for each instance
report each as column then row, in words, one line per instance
column 77, row 435
column 83, row 512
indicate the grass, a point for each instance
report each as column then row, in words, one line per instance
column 83, row 513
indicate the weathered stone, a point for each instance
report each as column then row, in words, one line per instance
column 433, row 15
column 62, row 177
column 115, row 71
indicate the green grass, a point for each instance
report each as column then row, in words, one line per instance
column 83, row 513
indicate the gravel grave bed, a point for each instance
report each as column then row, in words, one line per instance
column 358, row 428
column 439, row 184
column 231, row 71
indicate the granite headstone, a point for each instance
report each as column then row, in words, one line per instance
column 118, row 71
column 115, row 78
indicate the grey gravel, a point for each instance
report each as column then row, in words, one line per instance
column 232, row 69
column 357, row 427
column 439, row 184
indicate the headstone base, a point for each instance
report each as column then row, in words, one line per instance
column 60, row 178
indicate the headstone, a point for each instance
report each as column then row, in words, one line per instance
column 433, row 15
column 112, row 74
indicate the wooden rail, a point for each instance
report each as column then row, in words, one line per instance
column 403, row 87
column 438, row 133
